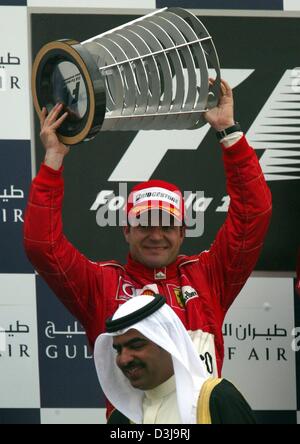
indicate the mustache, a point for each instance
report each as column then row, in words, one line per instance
column 135, row 363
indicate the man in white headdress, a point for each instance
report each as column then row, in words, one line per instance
column 149, row 370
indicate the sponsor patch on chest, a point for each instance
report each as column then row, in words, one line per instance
column 188, row 292
column 126, row 290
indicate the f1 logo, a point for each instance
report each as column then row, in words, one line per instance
column 75, row 93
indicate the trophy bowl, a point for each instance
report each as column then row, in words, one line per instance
column 149, row 74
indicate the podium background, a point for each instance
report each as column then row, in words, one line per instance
column 46, row 369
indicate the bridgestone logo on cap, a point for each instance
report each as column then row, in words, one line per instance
column 156, row 193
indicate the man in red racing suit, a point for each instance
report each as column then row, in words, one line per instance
column 199, row 288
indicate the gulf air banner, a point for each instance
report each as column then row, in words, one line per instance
column 260, row 59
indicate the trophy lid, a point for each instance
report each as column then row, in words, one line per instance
column 65, row 72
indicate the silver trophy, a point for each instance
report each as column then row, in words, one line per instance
column 149, row 74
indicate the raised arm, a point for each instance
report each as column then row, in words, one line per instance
column 238, row 243
column 72, row 277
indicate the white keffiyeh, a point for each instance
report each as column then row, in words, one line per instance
column 165, row 329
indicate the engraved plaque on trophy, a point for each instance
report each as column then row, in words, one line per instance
column 149, row 74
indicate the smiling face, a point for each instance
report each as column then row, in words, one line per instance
column 145, row 364
column 154, row 246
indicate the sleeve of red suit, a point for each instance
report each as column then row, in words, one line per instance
column 239, row 241
column 68, row 273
